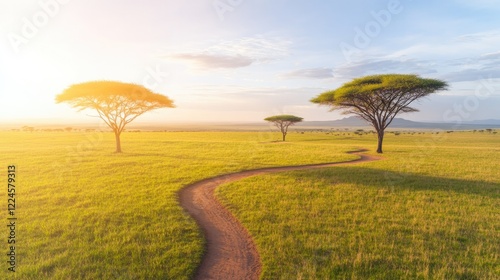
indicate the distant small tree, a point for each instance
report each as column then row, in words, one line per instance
column 116, row 103
column 28, row 128
column 379, row 98
column 68, row 129
column 282, row 122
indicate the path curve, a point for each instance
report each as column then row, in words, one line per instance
column 230, row 252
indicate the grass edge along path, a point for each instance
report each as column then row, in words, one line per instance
column 230, row 252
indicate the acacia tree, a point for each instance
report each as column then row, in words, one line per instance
column 116, row 103
column 282, row 122
column 379, row 98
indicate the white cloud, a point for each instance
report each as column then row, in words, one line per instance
column 246, row 98
column 311, row 73
column 490, row 56
column 478, row 37
column 238, row 53
column 485, row 66
column 215, row 60
column 472, row 75
column 380, row 66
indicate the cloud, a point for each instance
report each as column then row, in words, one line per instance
column 311, row 73
column 236, row 53
column 467, row 75
column 223, row 98
column 259, row 48
column 215, row 60
column 492, row 35
column 372, row 66
column 453, row 48
column 474, row 68
column 439, row 108
column 490, row 56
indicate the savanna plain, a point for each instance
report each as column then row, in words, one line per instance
column 429, row 209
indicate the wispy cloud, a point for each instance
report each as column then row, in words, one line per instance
column 215, row 60
column 259, row 98
column 236, row 53
column 477, row 37
column 473, row 68
column 311, row 73
column 378, row 66
column 490, row 56
column 472, row 75
column 259, row 48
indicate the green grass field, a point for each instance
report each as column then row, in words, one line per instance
column 429, row 210
column 85, row 212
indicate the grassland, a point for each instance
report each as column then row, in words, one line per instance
column 429, row 210
column 87, row 213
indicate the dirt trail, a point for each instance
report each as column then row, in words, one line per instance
column 230, row 251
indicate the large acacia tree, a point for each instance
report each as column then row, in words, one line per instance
column 379, row 98
column 282, row 122
column 116, row 103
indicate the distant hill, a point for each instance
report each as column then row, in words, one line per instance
column 403, row 123
column 485, row 122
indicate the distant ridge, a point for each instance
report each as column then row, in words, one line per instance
column 403, row 123
column 485, row 122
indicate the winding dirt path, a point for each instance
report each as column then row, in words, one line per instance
column 230, row 251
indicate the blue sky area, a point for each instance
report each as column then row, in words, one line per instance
column 244, row 60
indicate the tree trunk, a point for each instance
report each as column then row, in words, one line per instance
column 118, row 142
column 380, row 140
column 284, row 135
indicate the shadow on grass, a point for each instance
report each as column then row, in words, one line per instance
column 399, row 181
column 399, row 244
column 322, row 139
column 275, row 142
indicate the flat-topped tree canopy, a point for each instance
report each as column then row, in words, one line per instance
column 379, row 98
column 116, row 103
column 384, row 90
column 282, row 122
column 289, row 118
column 96, row 93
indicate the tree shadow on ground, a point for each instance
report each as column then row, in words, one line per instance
column 399, row 181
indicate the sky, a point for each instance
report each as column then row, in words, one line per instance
column 244, row 60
